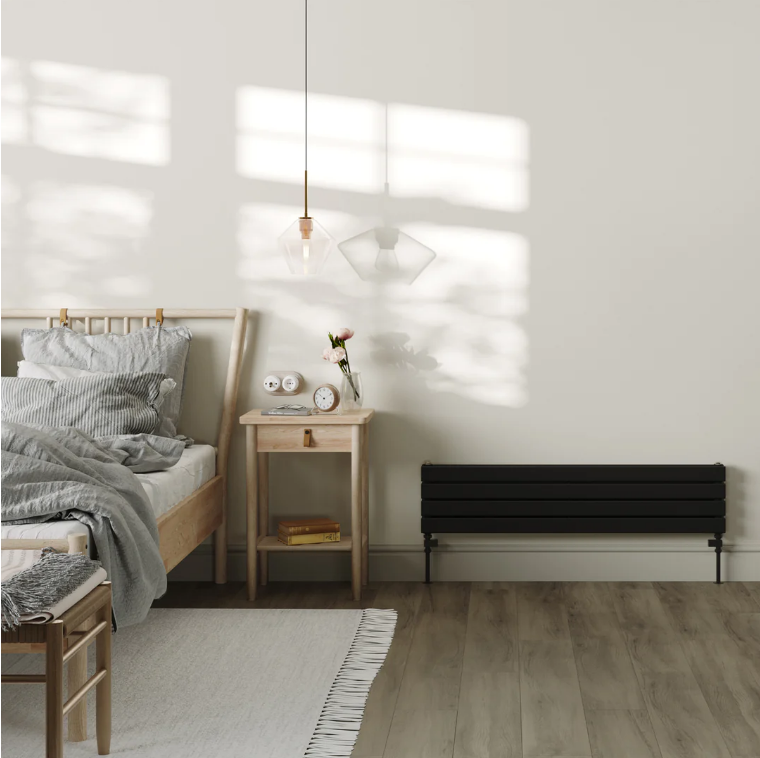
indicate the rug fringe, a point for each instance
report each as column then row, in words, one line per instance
column 341, row 718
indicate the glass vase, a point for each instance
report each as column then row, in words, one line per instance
column 351, row 392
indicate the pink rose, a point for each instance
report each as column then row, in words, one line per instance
column 326, row 354
column 337, row 355
column 344, row 334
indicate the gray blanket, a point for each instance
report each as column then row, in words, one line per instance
column 54, row 473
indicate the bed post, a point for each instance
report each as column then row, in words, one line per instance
column 225, row 434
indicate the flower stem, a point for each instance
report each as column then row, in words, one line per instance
column 353, row 386
column 344, row 365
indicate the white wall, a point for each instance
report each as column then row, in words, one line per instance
column 586, row 171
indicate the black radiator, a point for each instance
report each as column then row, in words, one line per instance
column 574, row 500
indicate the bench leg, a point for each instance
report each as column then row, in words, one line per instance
column 54, row 690
column 77, row 676
column 717, row 543
column 103, row 687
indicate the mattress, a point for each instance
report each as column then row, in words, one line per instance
column 167, row 488
column 164, row 490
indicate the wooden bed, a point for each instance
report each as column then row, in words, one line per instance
column 204, row 512
column 188, row 523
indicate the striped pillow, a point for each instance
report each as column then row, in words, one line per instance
column 100, row 404
column 162, row 350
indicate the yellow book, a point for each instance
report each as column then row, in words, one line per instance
column 308, row 539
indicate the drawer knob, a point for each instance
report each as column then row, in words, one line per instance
column 307, row 437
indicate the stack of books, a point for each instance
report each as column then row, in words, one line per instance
column 308, row 531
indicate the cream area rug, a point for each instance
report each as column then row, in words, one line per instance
column 241, row 683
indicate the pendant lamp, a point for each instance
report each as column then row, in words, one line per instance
column 305, row 243
column 385, row 253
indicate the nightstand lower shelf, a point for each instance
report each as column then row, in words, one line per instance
column 274, row 545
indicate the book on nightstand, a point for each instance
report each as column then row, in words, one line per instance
column 287, row 410
column 308, row 526
column 308, row 539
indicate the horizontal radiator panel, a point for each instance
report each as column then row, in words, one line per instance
column 547, row 474
column 574, row 491
column 573, row 508
column 574, row 525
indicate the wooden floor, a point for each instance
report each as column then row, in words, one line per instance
column 499, row 670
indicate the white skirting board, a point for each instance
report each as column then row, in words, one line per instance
column 561, row 559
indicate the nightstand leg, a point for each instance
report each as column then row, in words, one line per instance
column 263, row 515
column 252, row 498
column 357, row 440
column 365, row 504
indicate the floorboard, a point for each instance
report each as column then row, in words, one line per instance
column 681, row 719
column 542, row 615
column 428, row 733
column 434, row 667
column 491, row 638
column 621, row 734
column 730, row 684
column 404, row 597
column 488, row 719
column 700, row 610
column 553, row 720
column 605, row 672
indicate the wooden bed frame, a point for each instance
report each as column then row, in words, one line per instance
column 190, row 522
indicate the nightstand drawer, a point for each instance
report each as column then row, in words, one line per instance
column 324, row 438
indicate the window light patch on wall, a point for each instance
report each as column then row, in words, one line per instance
column 466, row 158
column 86, row 112
column 76, row 236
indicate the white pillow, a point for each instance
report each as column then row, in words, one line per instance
column 32, row 370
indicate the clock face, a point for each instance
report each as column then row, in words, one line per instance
column 326, row 397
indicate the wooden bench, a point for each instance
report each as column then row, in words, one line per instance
column 573, row 500
column 64, row 641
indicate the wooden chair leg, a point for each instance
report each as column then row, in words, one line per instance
column 77, row 676
column 54, row 690
column 103, row 687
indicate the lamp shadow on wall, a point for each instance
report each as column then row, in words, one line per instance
column 458, row 181
column 81, row 237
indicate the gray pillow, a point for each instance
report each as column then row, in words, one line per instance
column 100, row 405
column 158, row 350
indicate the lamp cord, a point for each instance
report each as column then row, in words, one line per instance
column 386, row 145
column 306, row 108
column 306, row 81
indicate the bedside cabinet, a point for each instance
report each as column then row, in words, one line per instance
column 321, row 433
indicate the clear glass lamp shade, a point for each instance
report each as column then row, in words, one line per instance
column 306, row 247
column 385, row 254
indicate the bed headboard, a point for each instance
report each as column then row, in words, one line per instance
column 90, row 317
